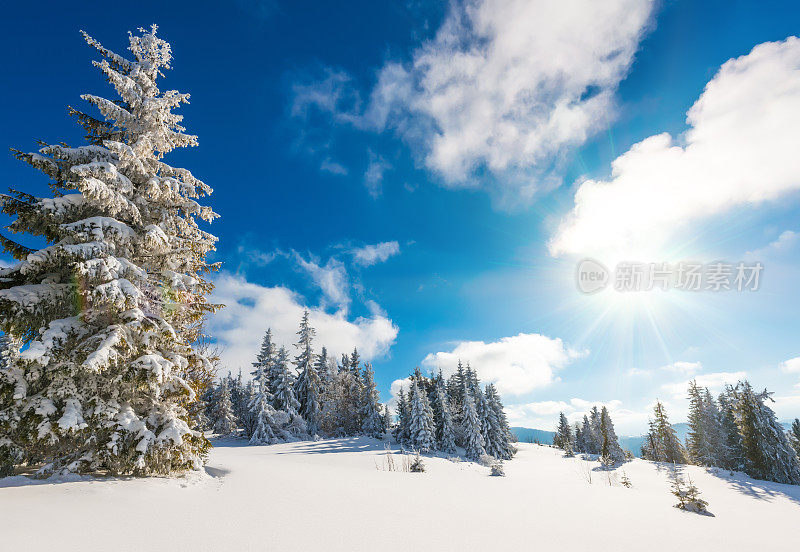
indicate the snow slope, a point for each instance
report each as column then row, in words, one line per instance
column 335, row 495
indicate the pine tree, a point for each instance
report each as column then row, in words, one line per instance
column 421, row 421
column 610, row 451
column 732, row 457
column 563, row 437
column 499, row 443
column 698, row 445
column 354, row 363
column 110, row 307
column 583, row 444
column 767, row 452
column 443, row 420
column 308, row 384
column 794, row 435
column 373, row 424
column 662, row 443
column 223, row 416
column 402, row 431
column 283, row 385
column 322, row 366
column 455, row 394
column 578, row 442
column 263, row 412
column 592, row 436
column 473, row 440
column 265, row 357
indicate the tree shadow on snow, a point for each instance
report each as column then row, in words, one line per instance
column 349, row 444
column 758, row 489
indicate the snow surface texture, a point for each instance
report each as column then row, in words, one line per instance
column 328, row 495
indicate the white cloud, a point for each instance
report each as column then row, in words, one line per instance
column 715, row 381
column 369, row 255
column 373, row 176
column 251, row 308
column 505, row 86
column 516, row 365
column 740, row 150
column 331, row 278
column 683, row 367
column 791, row 366
column 330, row 166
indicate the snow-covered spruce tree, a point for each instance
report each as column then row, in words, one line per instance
column 265, row 358
column 455, row 394
column 563, row 437
column 308, row 385
column 732, row 457
column 267, row 425
column 767, row 452
column 662, row 443
column 498, row 443
column 223, row 417
column 704, row 444
column 322, row 365
column 583, row 438
column 443, row 420
column 283, row 395
column 610, row 450
column 578, row 438
column 10, row 452
column 421, row 422
column 471, row 428
column 794, row 435
column 110, row 307
column 372, row 424
column 354, row 363
column 401, row 430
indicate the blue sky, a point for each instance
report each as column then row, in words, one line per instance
column 409, row 171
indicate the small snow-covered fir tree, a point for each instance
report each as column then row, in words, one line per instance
column 373, row 423
column 223, row 417
column 308, row 386
column 473, row 440
column 767, row 452
column 563, row 437
column 111, row 305
column 283, row 385
column 421, row 422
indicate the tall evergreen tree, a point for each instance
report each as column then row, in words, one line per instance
column 443, row 420
column 563, row 437
column 732, row 457
column 584, row 443
column 767, row 452
column 265, row 357
column 355, row 359
column 794, row 435
column 111, row 306
column 473, row 440
column 223, row 416
column 402, row 432
column 372, row 424
column 698, row 444
column 308, row 384
column 421, row 422
column 322, row 364
column 610, row 449
column 283, row 385
column 499, row 444
column 662, row 443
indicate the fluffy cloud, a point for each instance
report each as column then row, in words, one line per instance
column 714, row 381
column 504, row 86
column 331, row 278
column 791, row 366
column 740, row 150
column 516, row 365
column 369, row 255
column 251, row 308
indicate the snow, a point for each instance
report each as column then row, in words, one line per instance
column 328, row 495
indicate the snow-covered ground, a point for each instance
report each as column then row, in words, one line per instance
column 337, row 495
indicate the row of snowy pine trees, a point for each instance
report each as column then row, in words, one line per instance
column 737, row 431
column 439, row 415
column 595, row 435
column 298, row 398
